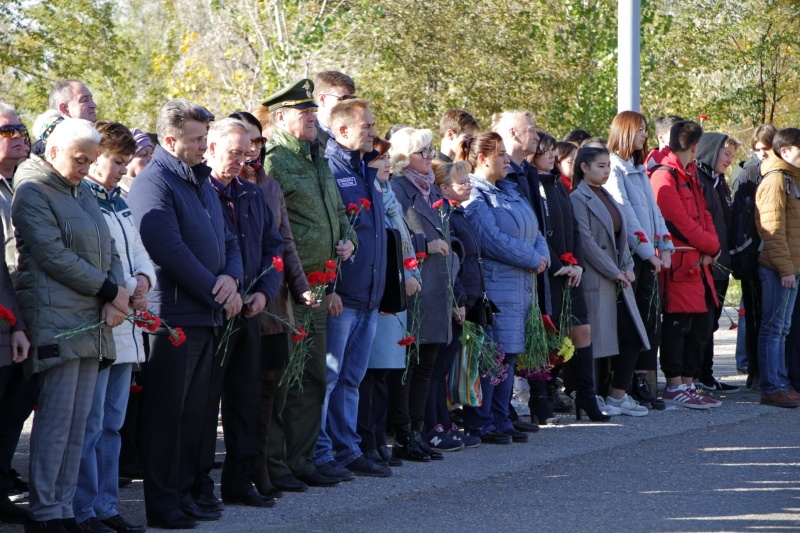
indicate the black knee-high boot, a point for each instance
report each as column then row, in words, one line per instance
column 585, row 395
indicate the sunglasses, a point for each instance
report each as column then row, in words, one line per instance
column 9, row 130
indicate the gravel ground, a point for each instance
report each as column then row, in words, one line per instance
column 729, row 469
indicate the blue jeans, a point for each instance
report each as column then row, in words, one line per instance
column 349, row 340
column 97, row 492
column 776, row 319
column 492, row 415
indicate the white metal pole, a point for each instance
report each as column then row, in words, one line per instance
column 628, row 46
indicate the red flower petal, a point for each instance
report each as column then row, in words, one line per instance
column 277, row 262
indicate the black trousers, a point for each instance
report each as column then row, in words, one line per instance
column 373, row 405
column 436, row 411
column 417, row 386
column 648, row 302
column 175, row 398
column 751, row 295
column 274, row 354
column 683, row 342
column 17, row 398
column 707, row 367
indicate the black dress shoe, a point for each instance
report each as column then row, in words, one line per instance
column 250, row 499
column 289, row 483
column 72, row 526
column 172, row 520
column 198, row 513
column 209, row 502
column 525, row 427
column 93, row 525
column 10, row 513
column 495, row 437
column 316, row 479
column 517, row 436
column 120, row 525
column 123, row 482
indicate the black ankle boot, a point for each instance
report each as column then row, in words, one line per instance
column 557, row 403
column 641, row 392
column 539, row 403
column 586, row 400
column 408, row 446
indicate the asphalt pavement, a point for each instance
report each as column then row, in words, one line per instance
column 736, row 468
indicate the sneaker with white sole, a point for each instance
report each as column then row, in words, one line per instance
column 627, row 406
column 443, row 441
column 704, row 397
column 683, row 397
column 608, row 410
column 470, row 441
column 716, row 385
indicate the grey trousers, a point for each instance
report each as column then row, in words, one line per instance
column 65, row 397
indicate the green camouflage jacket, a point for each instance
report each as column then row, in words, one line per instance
column 316, row 213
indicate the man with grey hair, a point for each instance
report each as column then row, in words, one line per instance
column 17, row 395
column 236, row 374
column 73, row 99
column 198, row 271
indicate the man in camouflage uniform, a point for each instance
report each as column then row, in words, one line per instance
column 320, row 226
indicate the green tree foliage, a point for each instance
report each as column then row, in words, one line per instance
column 735, row 62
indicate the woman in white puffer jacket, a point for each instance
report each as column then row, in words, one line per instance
column 98, row 490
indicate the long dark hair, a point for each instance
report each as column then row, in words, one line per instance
column 586, row 154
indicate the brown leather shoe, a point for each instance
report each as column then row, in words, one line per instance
column 793, row 394
column 780, row 399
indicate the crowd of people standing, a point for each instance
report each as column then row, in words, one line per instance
column 321, row 283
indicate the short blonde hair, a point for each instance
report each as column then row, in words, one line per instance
column 406, row 142
column 444, row 172
column 730, row 141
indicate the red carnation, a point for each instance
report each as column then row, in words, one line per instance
column 406, row 341
column 641, row 236
column 352, row 209
column 410, row 263
column 656, row 236
column 331, row 265
column 277, row 262
column 135, row 389
column 7, row 316
column 453, row 203
column 330, row 275
column 422, row 256
column 147, row 321
column 667, row 237
column 734, row 326
column 300, row 334
column 568, row 258
column 366, row 204
column 177, row 336
column 548, row 323
column 741, row 311
column 702, row 117
column 437, row 204
column 317, row 278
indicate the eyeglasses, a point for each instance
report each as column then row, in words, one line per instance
column 258, row 142
column 8, row 131
column 345, row 97
column 551, row 151
column 428, row 152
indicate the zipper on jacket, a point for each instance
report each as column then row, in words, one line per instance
column 100, row 254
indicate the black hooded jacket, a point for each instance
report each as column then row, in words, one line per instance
column 717, row 194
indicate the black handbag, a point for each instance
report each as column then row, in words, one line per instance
column 394, row 299
column 482, row 313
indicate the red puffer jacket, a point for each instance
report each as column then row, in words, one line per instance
column 692, row 228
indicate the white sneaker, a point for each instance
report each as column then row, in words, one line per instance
column 627, row 406
column 522, row 409
column 608, row 410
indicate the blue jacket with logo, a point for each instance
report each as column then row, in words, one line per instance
column 362, row 277
column 179, row 218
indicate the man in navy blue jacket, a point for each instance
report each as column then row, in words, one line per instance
column 198, row 271
column 352, row 316
column 236, row 372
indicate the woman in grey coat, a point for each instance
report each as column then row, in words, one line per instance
column 512, row 247
column 413, row 184
column 69, row 275
column 617, row 329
